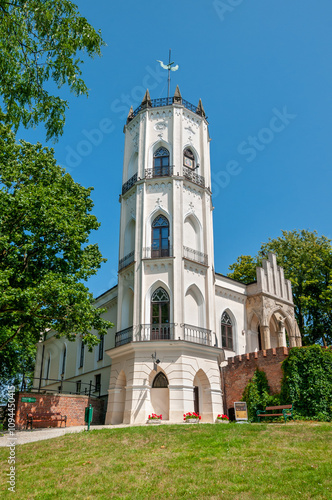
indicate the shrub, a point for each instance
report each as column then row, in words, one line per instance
column 256, row 394
column 307, row 382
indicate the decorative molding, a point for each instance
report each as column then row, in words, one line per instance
column 159, row 126
column 194, row 269
column 230, row 294
column 158, row 187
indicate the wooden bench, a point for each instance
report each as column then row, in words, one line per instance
column 277, row 411
column 46, row 417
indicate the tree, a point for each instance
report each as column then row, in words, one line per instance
column 45, row 221
column 42, row 40
column 307, row 262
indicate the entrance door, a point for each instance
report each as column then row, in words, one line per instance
column 196, row 400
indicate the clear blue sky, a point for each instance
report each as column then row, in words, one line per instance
column 248, row 61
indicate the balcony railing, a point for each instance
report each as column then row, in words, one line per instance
column 195, row 255
column 130, row 183
column 168, row 101
column 163, row 171
column 157, row 253
column 125, row 261
column 159, row 331
column 191, row 175
column 124, row 336
column 198, row 335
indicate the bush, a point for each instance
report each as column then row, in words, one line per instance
column 256, row 394
column 307, row 382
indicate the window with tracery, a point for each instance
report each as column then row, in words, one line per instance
column 160, row 237
column 161, row 166
column 160, row 381
column 227, row 332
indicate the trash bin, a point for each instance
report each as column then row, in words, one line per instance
column 88, row 415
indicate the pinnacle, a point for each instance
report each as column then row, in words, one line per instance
column 200, row 109
column 177, row 95
column 146, row 99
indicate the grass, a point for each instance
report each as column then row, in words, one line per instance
column 270, row 461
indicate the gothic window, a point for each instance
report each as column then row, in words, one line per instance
column 160, row 329
column 226, row 332
column 160, row 237
column 64, row 355
column 160, row 381
column 81, row 355
column 161, row 163
column 188, row 159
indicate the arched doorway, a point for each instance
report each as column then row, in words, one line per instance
column 160, row 395
column 202, row 396
column 119, row 399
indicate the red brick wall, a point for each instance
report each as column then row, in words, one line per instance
column 241, row 368
column 67, row 404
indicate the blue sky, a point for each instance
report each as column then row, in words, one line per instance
column 263, row 72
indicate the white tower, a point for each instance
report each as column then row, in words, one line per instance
column 165, row 357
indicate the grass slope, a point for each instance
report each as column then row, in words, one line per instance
column 259, row 461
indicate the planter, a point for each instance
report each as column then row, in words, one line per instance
column 154, row 421
column 220, row 421
column 192, row 421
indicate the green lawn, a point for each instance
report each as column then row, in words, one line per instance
column 203, row 461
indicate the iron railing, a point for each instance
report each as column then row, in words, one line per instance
column 152, row 332
column 124, row 336
column 129, row 184
column 64, row 387
column 158, row 253
column 196, row 334
column 162, row 171
column 126, row 260
column 191, row 175
column 195, row 255
column 167, row 101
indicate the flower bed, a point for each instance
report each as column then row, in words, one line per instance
column 222, row 419
column 155, row 419
column 191, row 417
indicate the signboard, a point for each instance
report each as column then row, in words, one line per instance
column 29, row 400
column 241, row 413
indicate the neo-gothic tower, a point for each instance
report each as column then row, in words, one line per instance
column 166, row 295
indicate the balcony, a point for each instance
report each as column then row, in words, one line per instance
column 195, row 255
column 163, row 171
column 158, row 253
column 129, row 184
column 125, row 261
column 196, row 334
column 124, row 336
column 168, row 101
column 152, row 332
column 191, row 176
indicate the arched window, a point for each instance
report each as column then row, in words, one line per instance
column 161, row 163
column 188, row 158
column 160, row 381
column 226, row 332
column 160, row 329
column 160, row 237
column 64, row 355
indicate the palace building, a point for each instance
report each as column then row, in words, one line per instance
column 176, row 319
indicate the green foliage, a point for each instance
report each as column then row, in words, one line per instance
column 256, row 394
column 45, row 220
column 307, row 381
column 307, row 262
column 42, row 40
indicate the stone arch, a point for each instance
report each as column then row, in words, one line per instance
column 192, row 232
column 119, row 400
column 202, row 391
column 159, row 395
column 127, row 309
column 254, row 334
column 129, row 237
column 194, row 307
column 132, row 165
column 280, row 326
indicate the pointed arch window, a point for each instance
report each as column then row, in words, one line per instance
column 161, row 166
column 188, row 158
column 160, row 381
column 227, row 332
column 160, row 237
column 160, row 329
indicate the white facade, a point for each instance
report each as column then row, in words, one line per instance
column 173, row 314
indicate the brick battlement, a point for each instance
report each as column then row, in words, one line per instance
column 268, row 353
column 240, row 369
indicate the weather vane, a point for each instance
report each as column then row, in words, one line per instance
column 169, row 68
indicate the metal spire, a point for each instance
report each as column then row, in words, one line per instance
column 169, row 68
